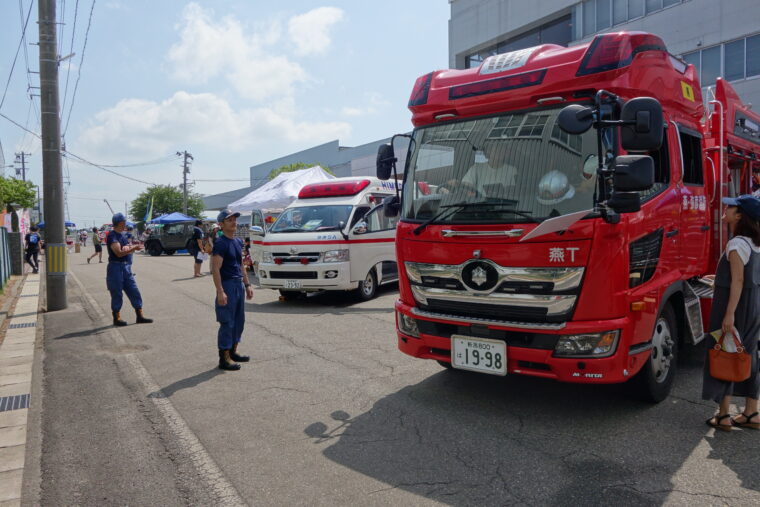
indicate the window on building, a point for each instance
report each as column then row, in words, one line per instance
column 635, row 8
column 603, row 19
column 753, row 55
column 653, row 5
column 693, row 59
column 533, row 126
column 589, row 17
column 692, row 159
column 619, row 11
column 668, row 3
column 734, row 60
column 598, row 15
column 710, row 66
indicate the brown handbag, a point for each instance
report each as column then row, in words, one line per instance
column 730, row 366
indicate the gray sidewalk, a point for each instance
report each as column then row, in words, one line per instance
column 16, row 361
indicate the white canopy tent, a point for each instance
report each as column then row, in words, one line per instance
column 281, row 191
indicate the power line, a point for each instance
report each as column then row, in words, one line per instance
column 77, row 158
column 71, row 52
column 18, row 49
column 79, row 70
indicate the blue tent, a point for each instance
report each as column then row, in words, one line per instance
column 172, row 218
column 41, row 225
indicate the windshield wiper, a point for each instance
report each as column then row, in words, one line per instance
column 290, row 229
column 495, row 202
column 444, row 209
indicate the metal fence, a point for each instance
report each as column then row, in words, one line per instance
column 5, row 258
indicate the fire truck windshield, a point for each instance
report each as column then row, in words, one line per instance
column 518, row 167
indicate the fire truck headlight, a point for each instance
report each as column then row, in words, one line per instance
column 407, row 325
column 336, row 256
column 587, row 345
column 267, row 257
column 413, row 272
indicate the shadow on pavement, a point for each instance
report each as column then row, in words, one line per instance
column 186, row 383
column 468, row 439
column 86, row 332
column 334, row 302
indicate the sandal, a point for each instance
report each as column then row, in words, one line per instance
column 715, row 420
column 746, row 423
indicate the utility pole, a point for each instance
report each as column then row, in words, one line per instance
column 185, row 172
column 56, row 262
column 21, row 159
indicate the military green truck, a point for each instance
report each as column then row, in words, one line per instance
column 169, row 238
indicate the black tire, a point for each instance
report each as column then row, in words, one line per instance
column 367, row 287
column 291, row 295
column 170, row 252
column 655, row 380
column 155, row 249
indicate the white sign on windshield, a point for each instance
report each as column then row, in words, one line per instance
column 555, row 224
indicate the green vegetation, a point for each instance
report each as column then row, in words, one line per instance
column 166, row 199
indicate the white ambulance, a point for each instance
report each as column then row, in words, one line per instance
column 334, row 236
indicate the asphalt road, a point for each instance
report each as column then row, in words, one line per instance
column 328, row 412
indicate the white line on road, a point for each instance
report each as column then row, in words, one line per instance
column 224, row 492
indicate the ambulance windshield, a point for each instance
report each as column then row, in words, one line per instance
column 312, row 218
column 492, row 166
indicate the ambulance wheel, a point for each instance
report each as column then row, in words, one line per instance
column 155, row 249
column 291, row 295
column 655, row 380
column 367, row 287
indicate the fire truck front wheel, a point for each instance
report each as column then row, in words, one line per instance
column 655, row 380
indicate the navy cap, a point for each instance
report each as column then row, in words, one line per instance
column 118, row 217
column 225, row 214
column 747, row 204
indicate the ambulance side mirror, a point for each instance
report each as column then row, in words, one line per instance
column 575, row 119
column 391, row 206
column 257, row 231
column 633, row 173
column 385, row 159
column 360, row 227
column 642, row 124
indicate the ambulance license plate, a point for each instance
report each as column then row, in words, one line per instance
column 292, row 284
column 479, row 354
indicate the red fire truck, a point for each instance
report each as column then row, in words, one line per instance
column 560, row 207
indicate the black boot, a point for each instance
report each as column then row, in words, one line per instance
column 236, row 357
column 141, row 319
column 225, row 363
column 117, row 319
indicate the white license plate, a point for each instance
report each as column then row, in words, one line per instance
column 292, row 284
column 479, row 354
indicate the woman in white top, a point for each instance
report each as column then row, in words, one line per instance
column 736, row 305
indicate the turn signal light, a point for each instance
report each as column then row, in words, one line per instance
column 638, row 306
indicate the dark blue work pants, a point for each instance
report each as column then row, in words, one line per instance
column 231, row 317
column 119, row 278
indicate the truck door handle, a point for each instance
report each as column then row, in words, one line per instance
column 672, row 233
column 704, row 228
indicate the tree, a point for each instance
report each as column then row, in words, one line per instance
column 18, row 192
column 166, row 199
column 295, row 167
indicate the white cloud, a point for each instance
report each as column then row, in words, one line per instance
column 136, row 129
column 374, row 103
column 310, row 32
column 209, row 48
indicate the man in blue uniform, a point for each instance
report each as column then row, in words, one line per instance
column 32, row 240
column 231, row 282
column 119, row 275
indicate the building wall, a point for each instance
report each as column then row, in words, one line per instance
column 686, row 26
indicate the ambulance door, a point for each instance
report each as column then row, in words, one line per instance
column 695, row 214
column 372, row 246
column 257, row 221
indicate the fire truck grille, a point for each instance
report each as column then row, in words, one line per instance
column 523, row 339
column 294, row 275
column 500, row 312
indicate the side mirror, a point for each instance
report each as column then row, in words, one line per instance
column 257, row 231
column 391, row 206
column 575, row 119
column 644, row 119
column 360, row 227
column 385, row 159
column 625, row 202
column 633, row 173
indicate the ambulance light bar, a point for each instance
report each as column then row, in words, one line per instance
column 330, row 189
column 500, row 84
column 611, row 51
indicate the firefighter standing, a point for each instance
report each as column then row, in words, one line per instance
column 119, row 275
column 232, row 285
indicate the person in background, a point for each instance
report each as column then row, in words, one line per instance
column 736, row 306
column 96, row 242
column 232, row 285
column 32, row 245
column 247, row 261
column 196, row 248
column 119, row 275
column 83, row 237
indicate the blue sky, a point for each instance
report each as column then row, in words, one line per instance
column 234, row 82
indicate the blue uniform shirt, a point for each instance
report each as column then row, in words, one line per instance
column 231, row 251
column 120, row 238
